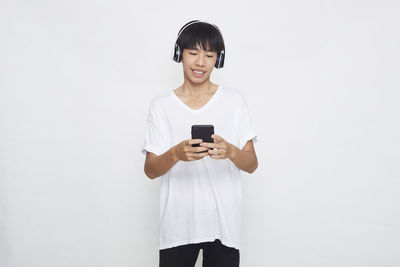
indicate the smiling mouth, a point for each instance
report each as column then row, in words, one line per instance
column 198, row 73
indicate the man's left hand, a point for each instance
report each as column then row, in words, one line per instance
column 223, row 148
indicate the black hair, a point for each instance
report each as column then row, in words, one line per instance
column 203, row 34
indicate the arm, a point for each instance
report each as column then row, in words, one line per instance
column 156, row 166
column 244, row 159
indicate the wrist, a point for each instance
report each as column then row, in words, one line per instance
column 233, row 151
column 174, row 154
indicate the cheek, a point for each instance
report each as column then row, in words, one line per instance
column 212, row 62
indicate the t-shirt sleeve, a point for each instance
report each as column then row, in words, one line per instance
column 247, row 129
column 154, row 137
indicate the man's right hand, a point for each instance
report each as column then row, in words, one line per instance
column 184, row 150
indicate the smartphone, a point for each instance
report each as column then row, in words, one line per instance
column 203, row 132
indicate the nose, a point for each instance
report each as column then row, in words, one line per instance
column 200, row 61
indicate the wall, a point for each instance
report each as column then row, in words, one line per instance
column 321, row 79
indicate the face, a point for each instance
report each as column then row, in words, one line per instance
column 198, row 64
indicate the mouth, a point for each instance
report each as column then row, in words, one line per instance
column 198, row 73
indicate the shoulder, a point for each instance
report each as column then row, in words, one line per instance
column 158, row 105
column 233, row 93
column 160, row 101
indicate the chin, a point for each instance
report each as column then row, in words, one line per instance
column 199, row 80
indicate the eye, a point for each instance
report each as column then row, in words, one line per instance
column 210, row 56
column 192, row 53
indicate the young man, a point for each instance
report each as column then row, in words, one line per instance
column 200, row 196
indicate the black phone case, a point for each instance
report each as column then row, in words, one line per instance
column 203, row 132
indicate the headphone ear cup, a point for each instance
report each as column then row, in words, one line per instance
column 177, row 53
column 220, row 60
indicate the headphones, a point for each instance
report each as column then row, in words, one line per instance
column 177, row 56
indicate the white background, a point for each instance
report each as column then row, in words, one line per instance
column 322, row 82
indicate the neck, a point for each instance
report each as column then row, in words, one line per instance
column 192, row 89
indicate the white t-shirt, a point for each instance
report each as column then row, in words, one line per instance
column 199, row 200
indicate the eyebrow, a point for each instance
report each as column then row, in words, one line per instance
column 204, row 50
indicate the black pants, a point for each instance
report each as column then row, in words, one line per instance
column 215, row 254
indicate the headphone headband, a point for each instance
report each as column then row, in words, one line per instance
column 194, row 22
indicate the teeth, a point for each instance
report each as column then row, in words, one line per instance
column 199, row 72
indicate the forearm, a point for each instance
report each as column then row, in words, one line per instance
column 244, row 160
column 159, row 165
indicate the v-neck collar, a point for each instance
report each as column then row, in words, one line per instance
column 204, row 107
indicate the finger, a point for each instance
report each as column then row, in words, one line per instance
column 200, row 149
column 196, row 155
column 213, row 152
column 196, row 158
column 216, row 151
column 205, row 144
column 212, row 145
column 194, row 141
column 217, row 138
column 217, row 156
column 195, row 149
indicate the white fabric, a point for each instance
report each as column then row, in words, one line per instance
column 199, row 200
